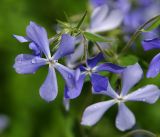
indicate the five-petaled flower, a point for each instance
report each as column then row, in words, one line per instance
column 99, row 82
column 154, row 67
column 125, row 118
column 26, row 63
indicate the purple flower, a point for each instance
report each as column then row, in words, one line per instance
column 154, row 67
column 137, row 15
column 103, row 19
column 97, row 3
column 125, row 119
column 26, row 63
column 92, row 69
column 4, row 122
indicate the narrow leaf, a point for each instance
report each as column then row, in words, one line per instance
column 65, row 24
column 154, row 25
column 127, row 60
column 82, row 20
column 94, row 37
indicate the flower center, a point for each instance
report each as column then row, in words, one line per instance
column 52, row 62
column 89, row 71
column 119, row 99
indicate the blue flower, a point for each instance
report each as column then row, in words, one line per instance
column 99, row 82
column 97, row 3
column 154, row 67
column 4, row 122
column 137, row 15
column 26, row 63
column 103, row 19
column 124, row 11
column 125, row 118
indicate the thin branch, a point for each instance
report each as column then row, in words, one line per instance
column 85, row 48
column 137, row 33
column 101, row 50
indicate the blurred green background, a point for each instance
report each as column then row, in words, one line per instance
column 28, row 114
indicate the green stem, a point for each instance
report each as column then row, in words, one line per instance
column 108, row 54
column 101, row 50
column 137, row 33
column 140, row 131
column 53, row 39
column 85, row 49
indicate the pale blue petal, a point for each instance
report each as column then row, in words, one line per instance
column 130, row 76
column 66, row 46
column 72, row 59
column 39, row 36
column 125, row 118
column 93, row 113
column 98, row 16
column 102, row 21
column 149, row 94
column 68, row 74
column 21, row 38
column 49, row 89
column 154, row 67
column 25, row 63
column 4, row 122
column 35, row 48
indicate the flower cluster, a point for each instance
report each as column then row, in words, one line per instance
column 72, row 44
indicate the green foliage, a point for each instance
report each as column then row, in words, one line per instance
column 153, row 25
column 29, row 115
column 94, row 37
column 82, row 20
column 128, row 60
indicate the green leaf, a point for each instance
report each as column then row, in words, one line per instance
column 64, row 24
column 128, row 60
column 82, row 20
column 94, row 37
column 154, row 25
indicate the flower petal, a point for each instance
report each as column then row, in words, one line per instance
column 4, row 122
column 97, row 3
column 35, row 48
column 72, row 59
column 125, row 118
column 93, row 113
column 109, row 92
column 66, row 46
column 49, row 89
column 130, row 76
column 39, row 36
column 107, row 21
column 75, row 91
column 21, row 38
column 99, row 83
column 110, row 67
column 151, row 44
column 98, row 15
column 68, row 75
column 25, row 63
column 149, row 94
column 154, row 67
column 92, row 62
